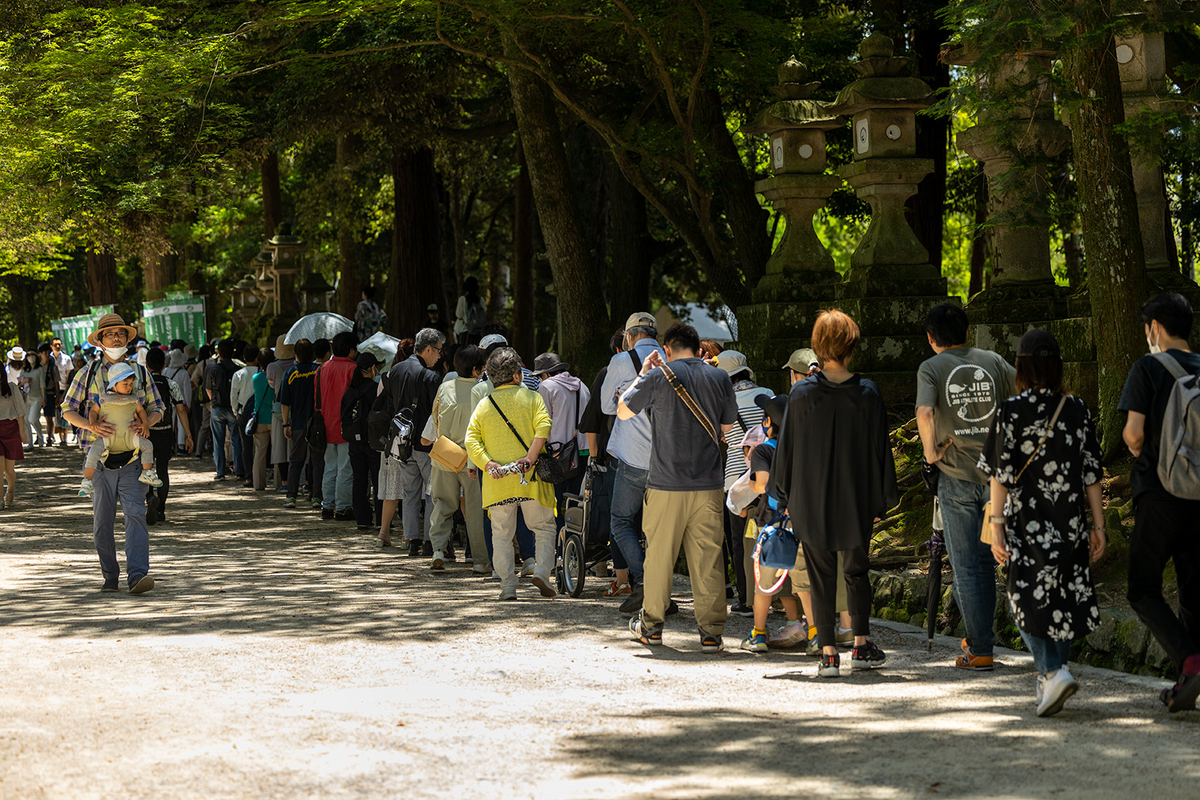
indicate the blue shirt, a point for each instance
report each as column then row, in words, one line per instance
column 630, row 440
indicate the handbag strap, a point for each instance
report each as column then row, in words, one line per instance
column 495, row 405
column 1046, row 435
column 697, row 412
column 317, row 384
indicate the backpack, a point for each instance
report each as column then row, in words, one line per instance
column 1179, row 443
column 401, row 434
column 162, row 383
column 222, row 393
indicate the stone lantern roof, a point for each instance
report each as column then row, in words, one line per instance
column 315, row 282
column 887, row 81
column 283, row 236
column 795, row 108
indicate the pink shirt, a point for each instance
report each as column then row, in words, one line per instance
column 335, row 377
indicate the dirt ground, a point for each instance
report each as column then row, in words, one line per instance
column 282, row 656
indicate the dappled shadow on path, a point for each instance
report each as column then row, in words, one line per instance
column 232, row 560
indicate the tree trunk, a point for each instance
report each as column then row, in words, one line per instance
column 979, row 236
column 583, row 340
column 272, row 197
column 23, row 309
column 416, row 269
column 629, row 249
column 102, row 278
column 522, row 268
column 927, row 206
column 1112, row 239
column 350, row 283
column 159, row 273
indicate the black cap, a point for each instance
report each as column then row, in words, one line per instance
column 367, row 360
column 1040, row 343
column 774, row 407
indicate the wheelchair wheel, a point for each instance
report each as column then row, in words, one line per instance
column 574, row 565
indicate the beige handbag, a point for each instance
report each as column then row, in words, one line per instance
column 988, row 534
column 446, row 453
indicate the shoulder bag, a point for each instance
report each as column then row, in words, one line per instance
column 446, row 452
column 776, row 548
column 988, row 535
column 315, row 432
column 561, row 462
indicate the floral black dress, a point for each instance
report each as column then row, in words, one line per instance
column 1047, row 521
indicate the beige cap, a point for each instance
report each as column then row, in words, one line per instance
column 641, row 319
column 733, row 362
column 801, row 360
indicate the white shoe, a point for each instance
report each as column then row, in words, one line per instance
column 85, row 487
column 149, row 477
column 528, row 567
column 508, row 594
column 1056, row 690
column 439, row 560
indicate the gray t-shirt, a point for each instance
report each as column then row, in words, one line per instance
column 964, row 386
column 683, row 457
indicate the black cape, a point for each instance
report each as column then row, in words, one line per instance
column 833, row 468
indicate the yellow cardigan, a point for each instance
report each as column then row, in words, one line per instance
column 489, row 439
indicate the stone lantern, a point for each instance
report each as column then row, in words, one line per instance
column 245, row 303
column 1142, row 63
column 798, row 186
column 315, row 291
column 1016, row 134
column 284, row 250
column 889, row 260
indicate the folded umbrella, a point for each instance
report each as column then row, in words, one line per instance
column 322, row 325
column 937, row 549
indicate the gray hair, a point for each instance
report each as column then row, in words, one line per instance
column 502, row 365
column 428, row 337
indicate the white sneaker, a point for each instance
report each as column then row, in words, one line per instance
column 1056, row 690
column 508, row 594
column 528, row 567
column 439, row 560
column 85, row 487
column 149, row 477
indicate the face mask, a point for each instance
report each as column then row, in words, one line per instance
column 116, row 353
column 1154, row 348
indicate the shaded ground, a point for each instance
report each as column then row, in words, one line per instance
column 280, row 656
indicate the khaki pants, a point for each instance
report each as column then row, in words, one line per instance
column 693, row 520
column 262, row 444
column 445, row 487
column 504, row 535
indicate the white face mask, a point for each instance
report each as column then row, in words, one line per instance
column 1154, row 348
column 116, row 353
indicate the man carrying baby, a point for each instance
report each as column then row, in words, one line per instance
column 117, row 474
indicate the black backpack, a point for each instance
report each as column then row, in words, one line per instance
column 162, row 383
column 222, row 391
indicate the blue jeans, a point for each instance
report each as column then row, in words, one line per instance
column 971, row 560
column 224, row 419
column 337, row 484
column 629, row 488
column 107, row 486
column 1048, row 654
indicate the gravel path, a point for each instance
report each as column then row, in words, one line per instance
column 283, row 656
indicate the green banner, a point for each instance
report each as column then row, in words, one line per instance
column 75, row 330
column 178, row 316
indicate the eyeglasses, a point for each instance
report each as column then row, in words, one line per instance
column 114, row 335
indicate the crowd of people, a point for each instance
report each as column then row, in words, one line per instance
column 768, row 496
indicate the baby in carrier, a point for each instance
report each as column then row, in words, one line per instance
column 119, row 407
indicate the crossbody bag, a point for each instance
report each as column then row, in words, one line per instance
column 503, row 416
column 988, row 534
column 446, row 452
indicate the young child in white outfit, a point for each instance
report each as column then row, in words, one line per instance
column 120, row 408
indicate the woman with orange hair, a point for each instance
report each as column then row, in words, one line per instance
column 834, row 474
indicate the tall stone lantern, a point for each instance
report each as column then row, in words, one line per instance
column 885, row 172
column 245, row 303
column 800, row 268
column 315, row 291
column 285, row 250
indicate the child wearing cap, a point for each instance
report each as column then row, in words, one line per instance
column 119, row 407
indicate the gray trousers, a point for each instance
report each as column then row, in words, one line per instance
column 445, row 486
column 414, row 481
column 109, row 485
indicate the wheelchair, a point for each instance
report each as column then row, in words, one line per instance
column 579, row 546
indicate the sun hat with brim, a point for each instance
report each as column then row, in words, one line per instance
column 119, row 373
column 732, row 362
column 283, row 349
column 492, row 340
column 549, row 363
column 1039, row 343
column 16, row 354
column 109, row 321
column 177, row 360
column 801, row 360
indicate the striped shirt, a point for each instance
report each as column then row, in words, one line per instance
column 80, row 396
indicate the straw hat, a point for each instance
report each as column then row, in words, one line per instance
column 110, row 321
column 283, row 349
